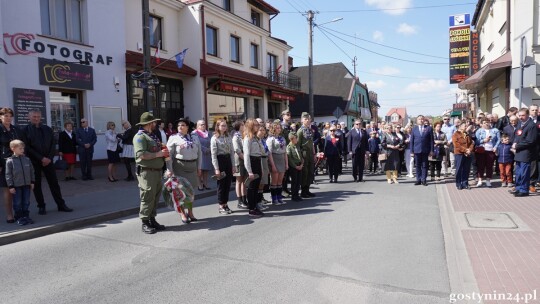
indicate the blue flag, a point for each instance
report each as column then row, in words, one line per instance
column 180, row 58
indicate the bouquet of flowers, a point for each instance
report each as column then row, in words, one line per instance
column 177, row 193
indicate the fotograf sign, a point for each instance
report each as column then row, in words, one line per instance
column 66, row 75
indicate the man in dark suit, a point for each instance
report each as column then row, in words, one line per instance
column 525, row 150
column 357, row 143
column 421, row 145
column 86, row 139
column 39, row 141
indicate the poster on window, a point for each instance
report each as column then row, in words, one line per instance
column 25, row 100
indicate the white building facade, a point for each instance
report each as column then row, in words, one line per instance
column 65, row 58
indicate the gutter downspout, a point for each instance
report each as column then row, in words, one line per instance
column 205, row 80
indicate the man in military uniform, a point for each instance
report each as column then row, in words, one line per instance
column 305, row 145
column 285, row 130
column 149, row 156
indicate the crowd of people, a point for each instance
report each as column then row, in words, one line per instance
column 278, row 156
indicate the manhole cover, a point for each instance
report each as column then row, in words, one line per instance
column 490, row 220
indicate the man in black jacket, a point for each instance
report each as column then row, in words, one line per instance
column 525, row 150
column 39, row 142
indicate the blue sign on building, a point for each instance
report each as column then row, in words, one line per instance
column 460, row 20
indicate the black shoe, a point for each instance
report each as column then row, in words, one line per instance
column 311, row 194
column 304, row 195
column 297, row 199
column 417, row 183
column 129, row 178
column 355, row 180
column 64, row 208
column 521, row 194
column 42, row 211
column 156, row 225
column 424, row 183
column 331, row 181
column 147, row 228
column 84, row 178
column 90, row 178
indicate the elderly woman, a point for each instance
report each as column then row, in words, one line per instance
column 185, row 160
column 487, row 140
column 222, row 159
column 67, row 148
column 435, row 160
column 206, row 158
column 8, row 132
column 393, row 145
column 277, row 147
column 112, row 150
column 463, row 149
column 128, row 154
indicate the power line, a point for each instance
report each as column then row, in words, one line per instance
column 383, row 55
column 337, row 45
column 389, row 9
column 383, row 45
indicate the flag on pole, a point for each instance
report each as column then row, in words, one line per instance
column 156, row 55
column 180, row 58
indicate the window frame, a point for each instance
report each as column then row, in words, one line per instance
column 269, row 62
column 258, row 20
column 214, row 41
column 227, row 5
column 154, row 43
column 252, row 57
column 235, row 40
column 52, row 26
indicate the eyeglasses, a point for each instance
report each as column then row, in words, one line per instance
column 332, row 130
column 83, row 121
column 446, row 119
column 357, row 123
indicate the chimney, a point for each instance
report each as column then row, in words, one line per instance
column 290, row 61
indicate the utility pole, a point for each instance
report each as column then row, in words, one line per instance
column 354, row 66
column 311, row 14
column 146, row 55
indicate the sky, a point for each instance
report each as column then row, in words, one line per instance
column 380, row 26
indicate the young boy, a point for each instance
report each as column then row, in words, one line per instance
column 296, row 164
column 506, row 160
column 373, row 145
column 20, row 180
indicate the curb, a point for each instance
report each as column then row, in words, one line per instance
column 460, row 272
column 80, row 222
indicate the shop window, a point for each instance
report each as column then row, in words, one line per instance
column 235, row 49
column 254, row 56
column 227, row 5
column 62, row 19
column 255, row 18
column 230, row 108
column 64, row 107
column 256, row 108
column 274, row 110
column 211, row 41
column 156, row 37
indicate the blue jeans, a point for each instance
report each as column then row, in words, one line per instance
column 463, row 167
column 21, row 201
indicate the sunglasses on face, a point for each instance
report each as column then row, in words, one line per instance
column 332, row 130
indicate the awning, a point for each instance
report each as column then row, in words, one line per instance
column 487, row 73
column 221, row 72
column 134, row 60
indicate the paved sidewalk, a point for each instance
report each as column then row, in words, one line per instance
column 501, row 237
column 93, row 202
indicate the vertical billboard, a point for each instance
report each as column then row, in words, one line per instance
column 459, row 36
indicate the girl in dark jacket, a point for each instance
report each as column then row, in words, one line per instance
column 332, row 152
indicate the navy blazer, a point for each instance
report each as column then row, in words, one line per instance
column 84, row 137
column 510, row 131
column 330, row 148
column 525, row 140
column 421, row 142
column 357, row 141
column 374, row 143
column 67, row 144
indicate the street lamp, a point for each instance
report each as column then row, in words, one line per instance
column 311, row 15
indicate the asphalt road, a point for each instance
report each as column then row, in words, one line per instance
column 354, row 243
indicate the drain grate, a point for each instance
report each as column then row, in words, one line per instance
column 490, row 220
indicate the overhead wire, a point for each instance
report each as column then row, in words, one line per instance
column 389, row 9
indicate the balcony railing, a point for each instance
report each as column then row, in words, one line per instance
column 285, row 80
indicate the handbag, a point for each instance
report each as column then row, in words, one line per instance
column 479, row 149
column 383, row 156
column 60, row 164
column 119, row 148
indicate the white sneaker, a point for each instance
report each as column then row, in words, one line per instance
column 479, row 184
column 488, row 183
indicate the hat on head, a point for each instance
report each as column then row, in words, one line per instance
column 286, row 112
column 305, row 115
column 147, row 118
column 184, row 120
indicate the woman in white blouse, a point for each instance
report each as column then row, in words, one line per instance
column 112, row 154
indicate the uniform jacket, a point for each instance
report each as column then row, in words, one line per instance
column 526, row 141
column 357, row 141
column 504, row 154
column 294, row 159
column 39, row 142
column 421, row 142
column 86, row 137
column 19, row 171
column 67, row 144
